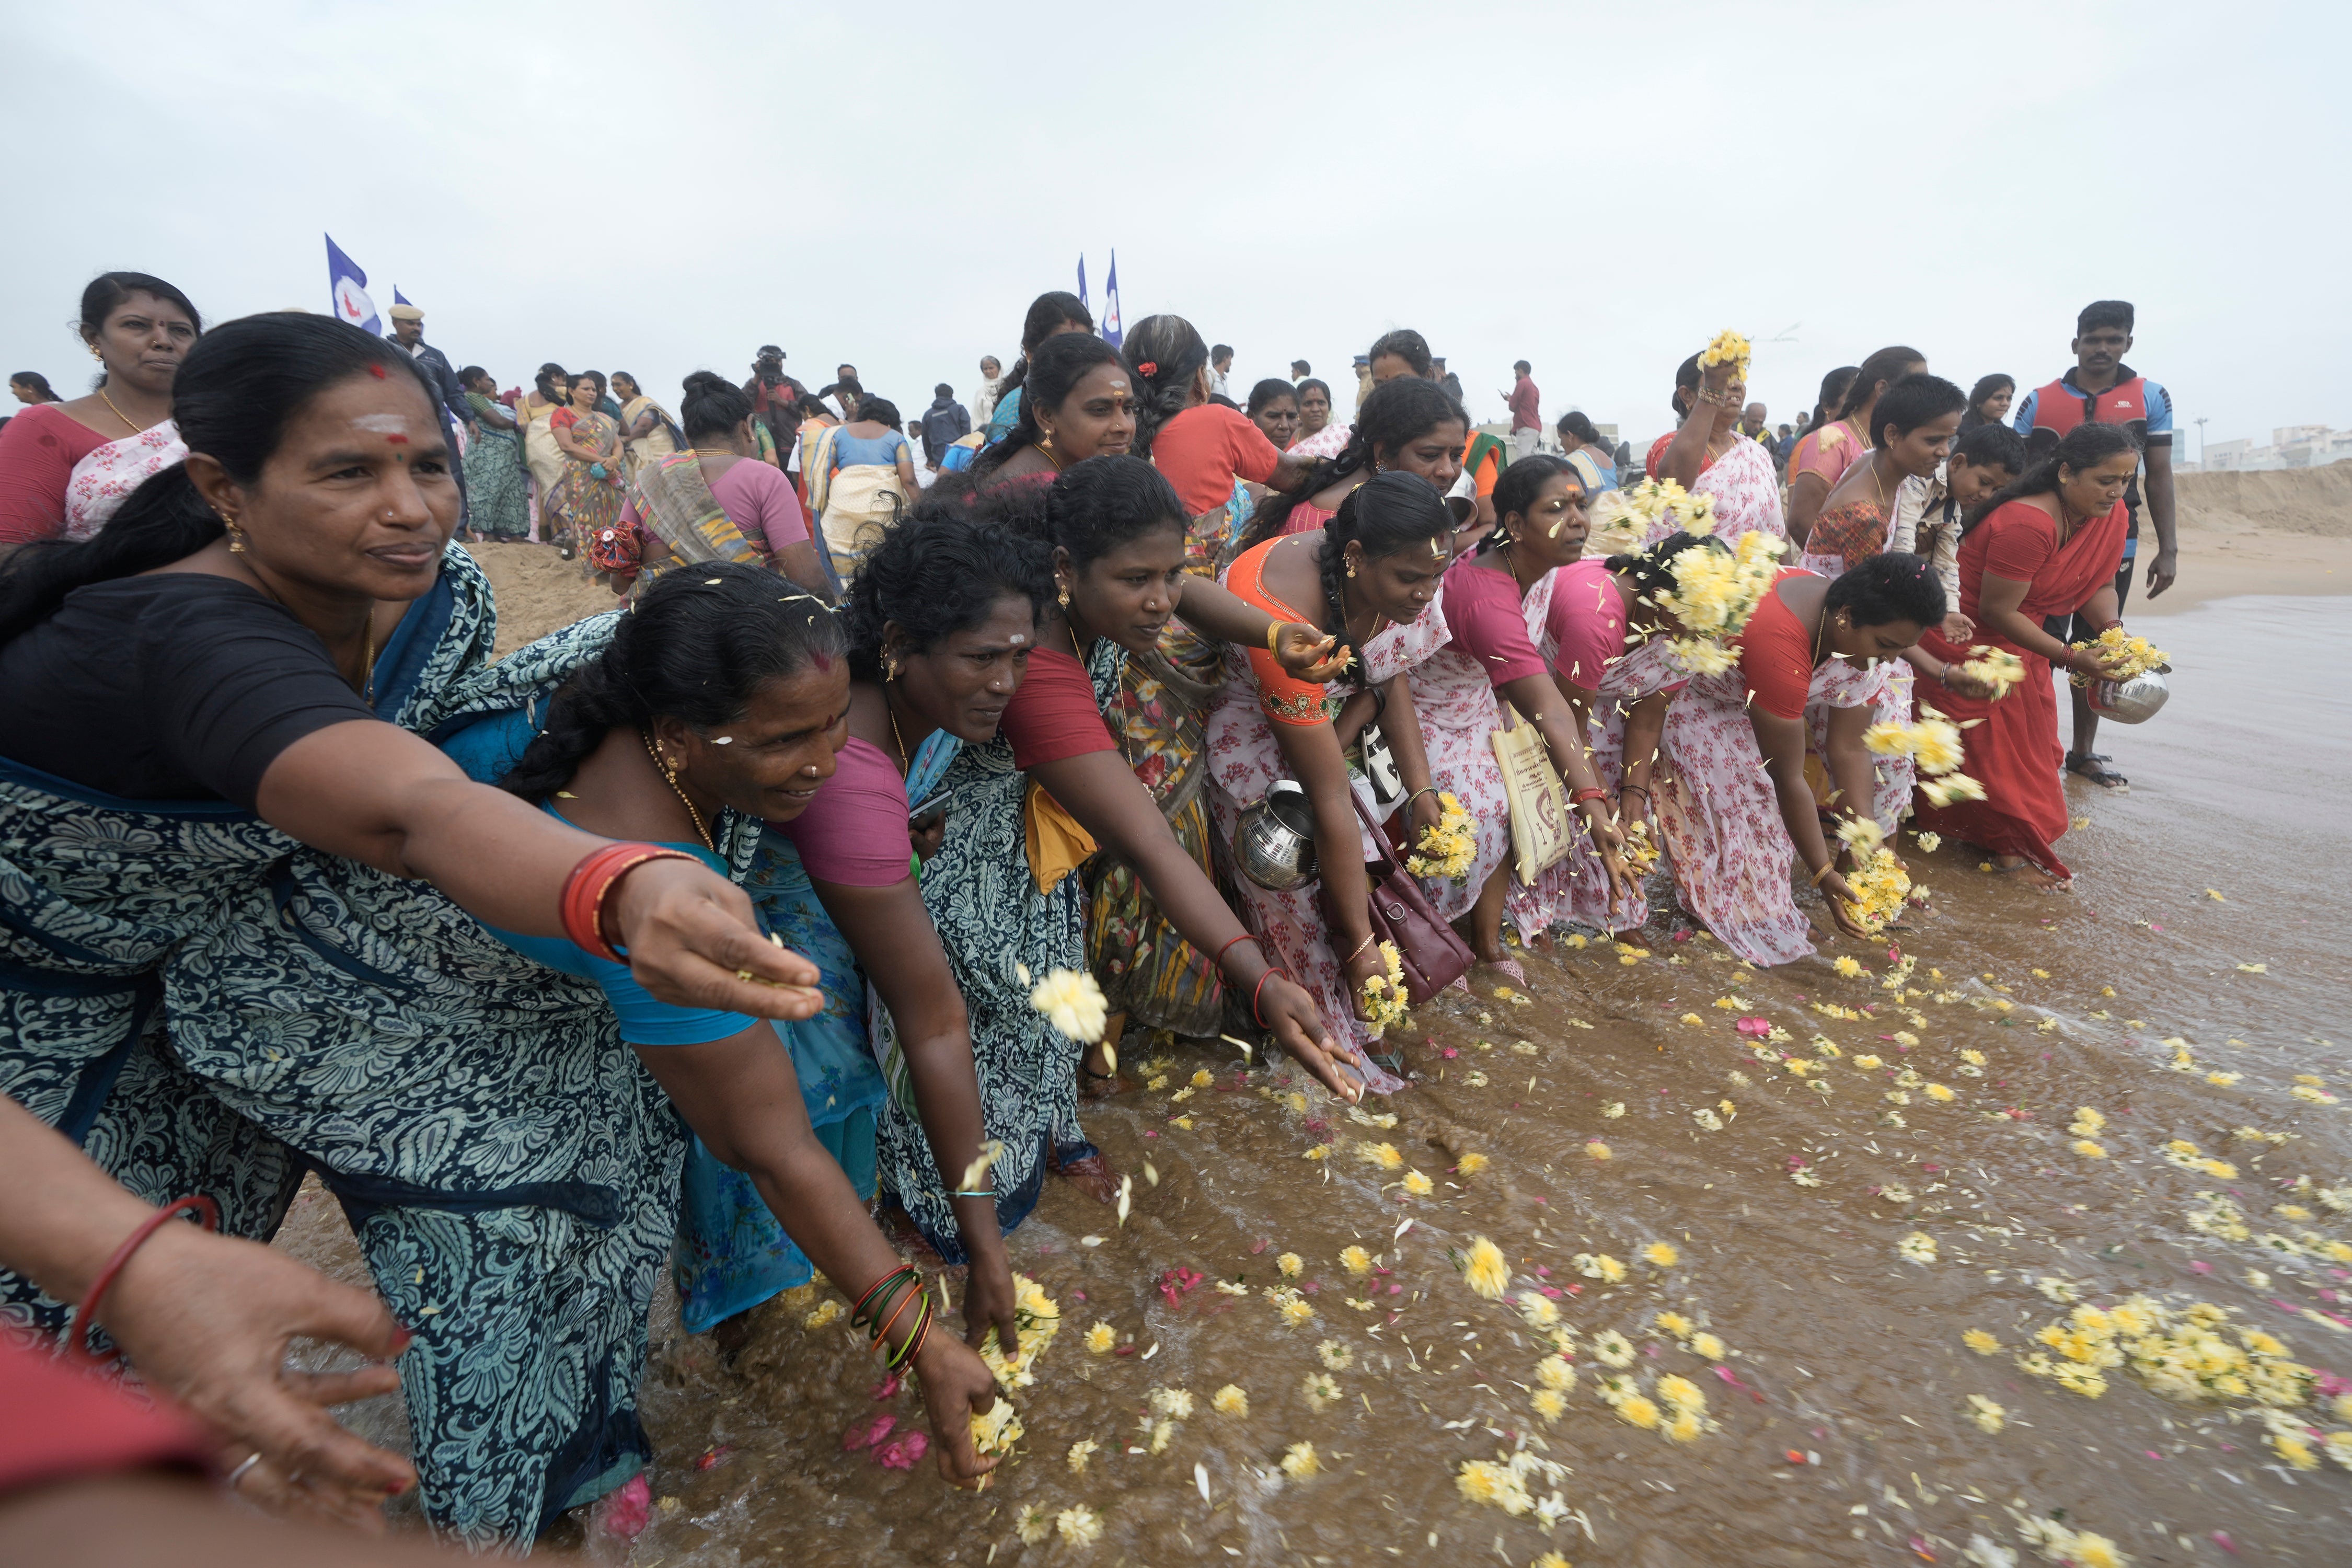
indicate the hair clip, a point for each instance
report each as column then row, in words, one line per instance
column 1148, row 367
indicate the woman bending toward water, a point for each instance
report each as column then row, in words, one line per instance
column 293, row 905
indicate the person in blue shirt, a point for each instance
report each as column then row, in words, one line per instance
column 2103, row 390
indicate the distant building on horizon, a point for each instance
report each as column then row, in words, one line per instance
column 2291, row 447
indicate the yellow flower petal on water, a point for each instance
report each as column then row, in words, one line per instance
column 1661, row 1254
column 1298, row 1461
column 1981, row 1342
column 1919, row 1247
column 1985, row 1413
column 1230, row 1401
column 1470, row 1165
column 1355, row 1260
column 1485, row 1270
column 1101, row 1339
column 1639, row 1409
column 2089, row 1150
column 1705, row 1344
column 1080, row 1452
column 1849, row 967
column 1597, row 1149
column 1419, row 1185
column 1385, row 1155
column 1549, row 1404
column 1291, row 1264
column 1078, row 1525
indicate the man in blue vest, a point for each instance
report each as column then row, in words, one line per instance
column 2103, row 390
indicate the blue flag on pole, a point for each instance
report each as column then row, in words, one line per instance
column 1111, row 330
column 400, row 298
column 1082, row 278
column 347, row 286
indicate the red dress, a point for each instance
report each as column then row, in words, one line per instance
column 2015, row 752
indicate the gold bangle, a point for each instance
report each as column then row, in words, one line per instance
column 1828, row 866
column 1273, row 635
column 1358, row 948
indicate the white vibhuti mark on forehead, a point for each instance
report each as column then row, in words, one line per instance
column 381, row 424
column 1018, row 638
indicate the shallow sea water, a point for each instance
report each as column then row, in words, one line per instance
column 1842, row 1434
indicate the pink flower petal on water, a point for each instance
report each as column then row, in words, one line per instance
column 1759, row 1027
column 623, row 1513
column 904, row 1452
column 866, row 1436
column 889, row 1386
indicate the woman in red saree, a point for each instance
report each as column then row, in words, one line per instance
column 2048, row 545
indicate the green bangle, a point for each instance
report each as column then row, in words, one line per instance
column 973, row 1194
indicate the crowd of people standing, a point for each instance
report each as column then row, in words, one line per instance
column 708, row 933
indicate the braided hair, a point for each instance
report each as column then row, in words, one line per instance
column 1396, row 414
column 1173, row 349
column 697, row 647
column 1386, row 515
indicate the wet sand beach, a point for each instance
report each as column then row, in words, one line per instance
column 1846, row 1178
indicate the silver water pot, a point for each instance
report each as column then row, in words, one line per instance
column 2133, row 701
column 1274, row 843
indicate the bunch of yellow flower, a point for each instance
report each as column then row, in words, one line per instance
column 1934, row 744
column 1505, row 1481
column 1073, row 1002
column 1727, row 346
column 1037, row 1319
column 2125, row 654
column 1448, row 848
column 1640, row 852
column 1624, row 518
column 2179, row 1353
column 1714, row 594
column 1879, row 890
column 1385, row 995
column 996, row 1432
column 1996, row 667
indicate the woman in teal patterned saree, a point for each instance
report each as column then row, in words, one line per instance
column 235, row 937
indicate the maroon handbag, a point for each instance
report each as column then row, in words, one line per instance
column 1432, row 956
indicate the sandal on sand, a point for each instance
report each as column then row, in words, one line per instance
column 2089, row 766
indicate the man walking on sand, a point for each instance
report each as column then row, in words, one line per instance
column 2103, row 390
column 1526, row 422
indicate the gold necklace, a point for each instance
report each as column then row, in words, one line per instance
column 671, row 775
column 906, row 761
column 1080, row 654
column 136, row 428
column 367, row 663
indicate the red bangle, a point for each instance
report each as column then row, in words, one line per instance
column 1580, row 796
column 1218, row 963
column 1272, row 970
column 77, row 1349
column 582, row 903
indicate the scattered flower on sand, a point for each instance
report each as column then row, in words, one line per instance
column 1981, row 1342
column 1705, row 1344
column 1335, row 1355
column 1919, row 1247
column 1101, row 1338
column 1291, row 1264
column 1612, row 1349
column 1985, row 1413
column 1078, row 1525
column 1080, row 1452
column 1485, row 1270
column 1472, row 1163
column 1298, row 1461
column 1660, row 1254
column 1230, row 1401
column 1595, row 1147
column 1419, row 1185
column 1355, row 1260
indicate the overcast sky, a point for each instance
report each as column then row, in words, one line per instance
column 664, row 186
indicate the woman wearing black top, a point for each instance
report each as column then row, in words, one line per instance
column 219, row 821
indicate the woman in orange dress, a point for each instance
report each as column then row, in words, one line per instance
column 2048, row 545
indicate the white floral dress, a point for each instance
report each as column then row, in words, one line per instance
column 1720, row 817
column 1746, row 491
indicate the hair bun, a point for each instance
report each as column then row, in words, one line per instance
column 705, row 380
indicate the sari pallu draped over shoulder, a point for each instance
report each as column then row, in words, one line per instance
column 674, row 499
column 208, row 1005
column 2012, row 746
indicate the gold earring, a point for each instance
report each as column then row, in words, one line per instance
column 235, row 534
column 94, row 353
column 1066, row 595
column 889, row 667
column 1351, row 568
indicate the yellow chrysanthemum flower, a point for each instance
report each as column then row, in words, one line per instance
column 1470, row 1165
column 1661, row 1253
column 1639, row 1409
column 1705, row 1344
column 1981, row 1342
column 1230, row 1401
column 1101, row 1339
column 1419, row 1185
column 1485, row 1270
column 1298, row 1461
column 1072, row 1003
